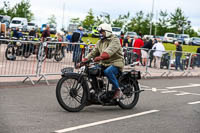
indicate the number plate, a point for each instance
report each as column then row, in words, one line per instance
column 67, row 70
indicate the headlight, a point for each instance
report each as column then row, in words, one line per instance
column 18, row 44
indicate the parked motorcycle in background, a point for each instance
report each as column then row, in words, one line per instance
column 50, row 49
column 20, row 48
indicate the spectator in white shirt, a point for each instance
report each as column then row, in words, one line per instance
column 159, row 50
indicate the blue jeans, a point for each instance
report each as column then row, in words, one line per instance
column 198, row 60
column 76, row 53
column 111, row 72
column 178, row 63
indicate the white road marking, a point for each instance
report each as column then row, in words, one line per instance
column 183, row 93
column 155, row 89
column 164, row 92
column 143, row 86
column 197, row 102
column 105, row 121
column 186, row 86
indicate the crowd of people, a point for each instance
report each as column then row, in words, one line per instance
column 142, row 46
column 145, row 48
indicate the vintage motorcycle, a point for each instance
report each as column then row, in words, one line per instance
column 89, row 86
column 50, row 50
column 19, row 48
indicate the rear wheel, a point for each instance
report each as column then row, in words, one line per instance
column 71, row 93
column 58, row 55
column 131, row 92
column 10, row 53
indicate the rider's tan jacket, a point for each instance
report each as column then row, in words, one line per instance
column 111, row 46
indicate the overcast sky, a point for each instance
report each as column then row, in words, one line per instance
column 42, row 9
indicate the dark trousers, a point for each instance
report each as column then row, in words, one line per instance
column 178, row 63
column 198, row 60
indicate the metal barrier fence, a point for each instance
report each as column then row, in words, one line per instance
column 35, row 59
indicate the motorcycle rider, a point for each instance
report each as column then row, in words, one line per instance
column 108, row 52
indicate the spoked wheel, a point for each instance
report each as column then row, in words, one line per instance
column 71, row 93
column 41, row 55
column 58, row 55
column 131, row 92
column 10, row 53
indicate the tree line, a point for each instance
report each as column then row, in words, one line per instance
column 140, row 22
column 167, row 22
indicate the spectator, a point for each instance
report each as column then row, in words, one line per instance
column 77, row 51
column 151, row 53
column 122, row 39
column 159, row 49
column 128, row 42
column 138, row 43
column 69, row 39
column 32, row 32
column 198, row 57
column 178, row 55
column 45, row 34
column 147, row 45
column 16, row 33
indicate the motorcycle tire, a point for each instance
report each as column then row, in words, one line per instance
column 58, row 56
column 130, row 92
column 72, row 92
column 10, row 50
column 41, row 56
column 27, row 54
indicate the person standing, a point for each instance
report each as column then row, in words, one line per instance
column 127, row 42
column 147, row 45
column 159, row 49
column 198, row 57
column 77, row 51
column 178, row 55
column 138, row 43
column 45, row 34
column 122, row 39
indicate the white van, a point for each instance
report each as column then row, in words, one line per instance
column 116, row 31
column 21, row 23
column 169, row 37
column 31, row 25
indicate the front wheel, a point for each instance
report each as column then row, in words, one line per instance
column 131, row 90
column 71, row 93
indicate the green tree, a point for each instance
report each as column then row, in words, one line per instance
column 121, row 20
column 6, row 9
column 89, row 20
column 21, row 9
column 75, row 21
column 52, row 20
column 140, row 23
column 177, row 20
column 162, row 25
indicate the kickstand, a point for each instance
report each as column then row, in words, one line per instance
column 29, row 79
column 43, row 76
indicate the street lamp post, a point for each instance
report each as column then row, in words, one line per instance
column 150, row 32
column 183, row 26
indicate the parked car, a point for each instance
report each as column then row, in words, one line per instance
column 52, row 29
column 183, row 38
column 116, row 31
column 169, row 37
column 5, row 19
column 85, row 33
column 31, row 25
column 131, row 34
column 21, row 23
column 95, row 32
column 195, row 41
